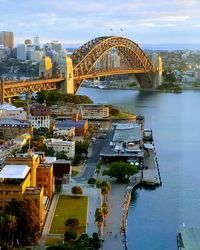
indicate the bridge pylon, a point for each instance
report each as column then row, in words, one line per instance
column 45, row 67
column 66, row 71
column 158, row 65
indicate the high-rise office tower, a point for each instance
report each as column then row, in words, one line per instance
column 7, row 39
column 36, row 40
column 21, row 52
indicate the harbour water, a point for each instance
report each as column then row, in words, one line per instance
column 156, row 215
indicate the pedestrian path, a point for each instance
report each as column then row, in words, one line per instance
column 112, row 238
column 48, row 220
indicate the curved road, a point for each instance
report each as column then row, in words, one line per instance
column 93, row 159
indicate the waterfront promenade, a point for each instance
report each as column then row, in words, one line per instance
column 112, row 238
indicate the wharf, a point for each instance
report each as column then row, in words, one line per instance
column 150, row 173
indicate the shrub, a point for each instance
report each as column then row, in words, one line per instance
column 92, row 181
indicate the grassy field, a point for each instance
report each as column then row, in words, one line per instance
column 69, row 207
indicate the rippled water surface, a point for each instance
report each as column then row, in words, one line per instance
column 155, row 215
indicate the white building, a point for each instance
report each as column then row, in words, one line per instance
column 9, row 111
column 68, row 132
column 21, row 52
column 39, row 116
column 59, row 145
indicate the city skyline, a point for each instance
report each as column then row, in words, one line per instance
column 75, row 22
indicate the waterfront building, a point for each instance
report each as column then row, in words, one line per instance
column 39, row 116
column 7, row 39
column 11, row 128
column 89, row 111
column 22, row 52
column 10, row 111
column 59, row 145
column 126, row 143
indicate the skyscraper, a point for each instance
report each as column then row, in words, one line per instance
column 21, row 52
column 7, row 39
column 36, row 40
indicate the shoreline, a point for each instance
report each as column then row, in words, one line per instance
column 126, row 205
column 150, row 90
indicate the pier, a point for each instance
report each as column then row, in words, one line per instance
column 150, row 172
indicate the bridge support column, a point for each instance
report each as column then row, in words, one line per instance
column 158, row 65
column 66, row 70
column 2, row 92
column 45, row 67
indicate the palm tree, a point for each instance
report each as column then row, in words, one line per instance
column 108, row 185
column 3, row 222
column 105, row 210
column 11, row 227
column 99, row 219
column 104, row 192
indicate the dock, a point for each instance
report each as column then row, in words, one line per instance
column 150, row 172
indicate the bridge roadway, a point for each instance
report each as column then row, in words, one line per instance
column 10, row 89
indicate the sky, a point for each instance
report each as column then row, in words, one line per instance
column 75, row 22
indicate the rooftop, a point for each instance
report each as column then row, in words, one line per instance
column 13, row 122
column 59, row 142
column 14, row 172
column 49, row 159
column 127, row 132
column 7, row 106
column 70, row 123
column 190, row 238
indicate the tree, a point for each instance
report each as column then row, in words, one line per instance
column 106, row 184
column 77, row 191
column 62, row 155
column 96, row 241
column 26, row 214
column 99, row 219
column 70, row 236
column 72, row 223
column 92, row 181
column 104, row 192
column 105, row 210
column 121, row 170
column 99, row 184
column 11, row 228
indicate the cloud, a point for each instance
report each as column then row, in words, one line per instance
column 78, row 20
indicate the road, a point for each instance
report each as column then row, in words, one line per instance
column 93, row 159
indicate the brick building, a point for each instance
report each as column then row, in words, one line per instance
column 11, row 128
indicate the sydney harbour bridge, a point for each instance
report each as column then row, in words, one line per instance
column 102, row 56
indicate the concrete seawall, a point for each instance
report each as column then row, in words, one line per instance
column 134, row 182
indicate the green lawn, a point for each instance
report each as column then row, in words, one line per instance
column 69, row 207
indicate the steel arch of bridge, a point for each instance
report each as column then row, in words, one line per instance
column 85, row 57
